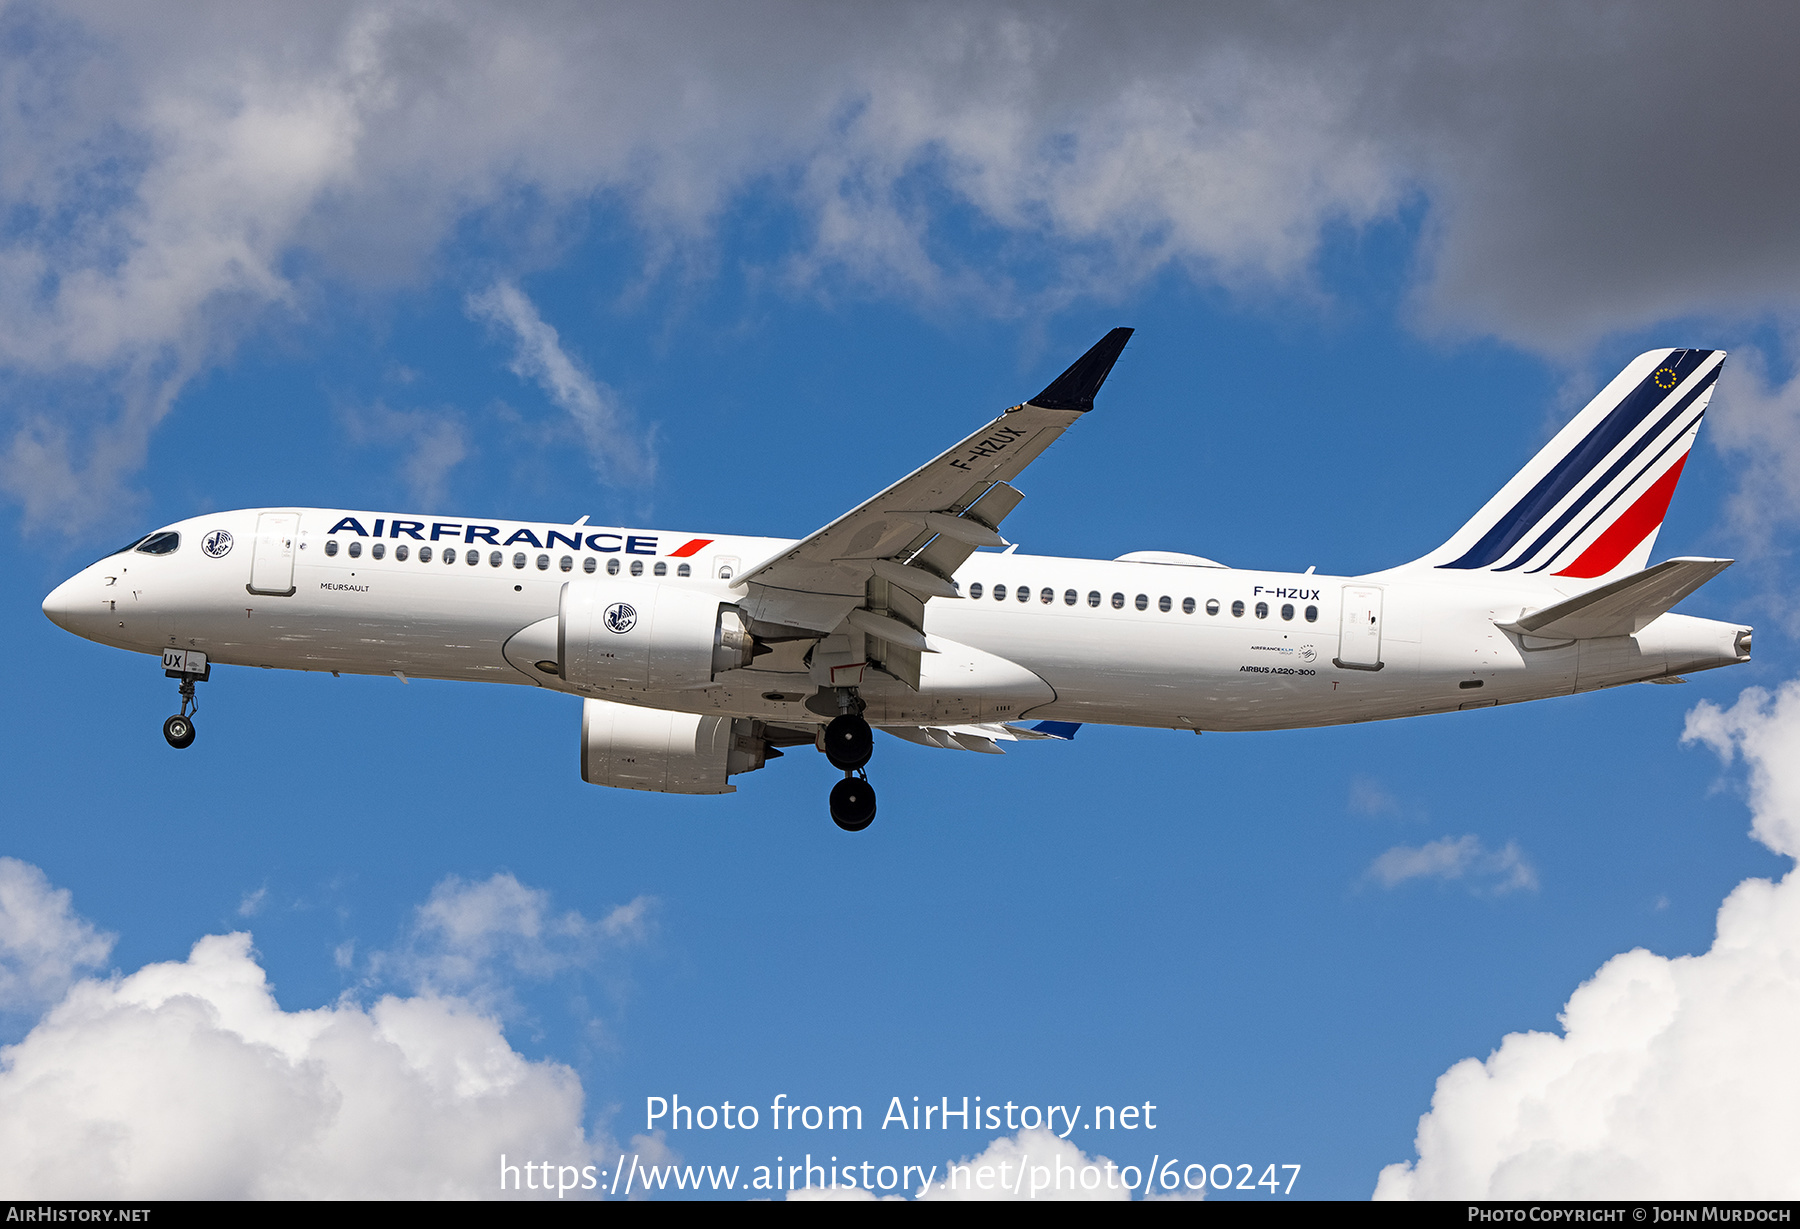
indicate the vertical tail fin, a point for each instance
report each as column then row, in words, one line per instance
column 1590, row 503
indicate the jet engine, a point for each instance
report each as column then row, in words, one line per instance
column 617, row 637
column 671, row 753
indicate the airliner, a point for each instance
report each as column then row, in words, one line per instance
column 699, row 657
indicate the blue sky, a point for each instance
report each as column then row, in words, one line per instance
column 250, row 271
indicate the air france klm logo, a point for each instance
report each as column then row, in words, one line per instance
column 602, row 543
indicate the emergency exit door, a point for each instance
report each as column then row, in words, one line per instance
column 272, row 562
column 1359, row 629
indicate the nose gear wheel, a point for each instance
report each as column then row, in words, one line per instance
column 179, row 731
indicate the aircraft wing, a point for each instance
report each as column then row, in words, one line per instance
column 875, row 567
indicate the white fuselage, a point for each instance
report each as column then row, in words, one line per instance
column 1110, row 642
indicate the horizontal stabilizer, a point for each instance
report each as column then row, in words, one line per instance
column 983, row 737
column 1622, row 608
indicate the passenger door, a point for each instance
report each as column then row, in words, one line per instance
column 1359, row 629
column 272, row 562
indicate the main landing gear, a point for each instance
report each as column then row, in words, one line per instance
column 848, row 743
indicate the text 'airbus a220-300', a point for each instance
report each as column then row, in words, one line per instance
column 700, row 656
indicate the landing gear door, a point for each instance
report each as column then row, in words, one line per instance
column 272, row 563
column 1359, row 631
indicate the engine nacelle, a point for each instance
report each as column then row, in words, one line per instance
column 671, row 753
column 634, row 636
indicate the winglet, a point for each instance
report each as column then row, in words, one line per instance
column 1074, row 389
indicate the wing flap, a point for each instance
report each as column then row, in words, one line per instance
column 1622, row 607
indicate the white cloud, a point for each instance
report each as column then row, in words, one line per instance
column 476, row 939
column 1031, row 1165
column 1765, row 730
column 187, row 1080
column 618, row 450
column 1465, row 858
column 176, row 175
column 44, row 944
column 430, row 444
column 1756, row 421
column 1370, row 797
column 1672, row 1078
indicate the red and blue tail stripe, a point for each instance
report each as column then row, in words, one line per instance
column 1593, row 499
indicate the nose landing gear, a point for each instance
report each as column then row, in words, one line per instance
column 190, row 668
column 848, row 743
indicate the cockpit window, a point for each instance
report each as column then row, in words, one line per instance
column 129, row 545
column 164, row 543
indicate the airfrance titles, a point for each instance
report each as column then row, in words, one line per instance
column 543, row 537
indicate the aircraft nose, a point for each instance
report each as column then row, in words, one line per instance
column 59, row 606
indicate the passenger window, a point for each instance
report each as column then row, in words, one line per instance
column 424, row 554
column 1070, row 597
column 637, row 567
column 401, row 552
column 975, row 590
column 612, row 567
column 1142, row 603
column 519, row 560
column 356, row 550
column 1093, row 597
column 330, row 546
column 377, row 551
column 495, row 559
column 1287, row 611
column 1262, row 610
column 662, row 569
column 1163, row 603
column 589, row 564
column 1237, row 610
column 160, row 544
column 1118, row 601
column 682, row 570
column 1212, row 605
column 1187, row 605
column 450, row 555
column 543, row 562
column 1312, row 614
column 999, row 593
column 566, row 564
column 1024, row 593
